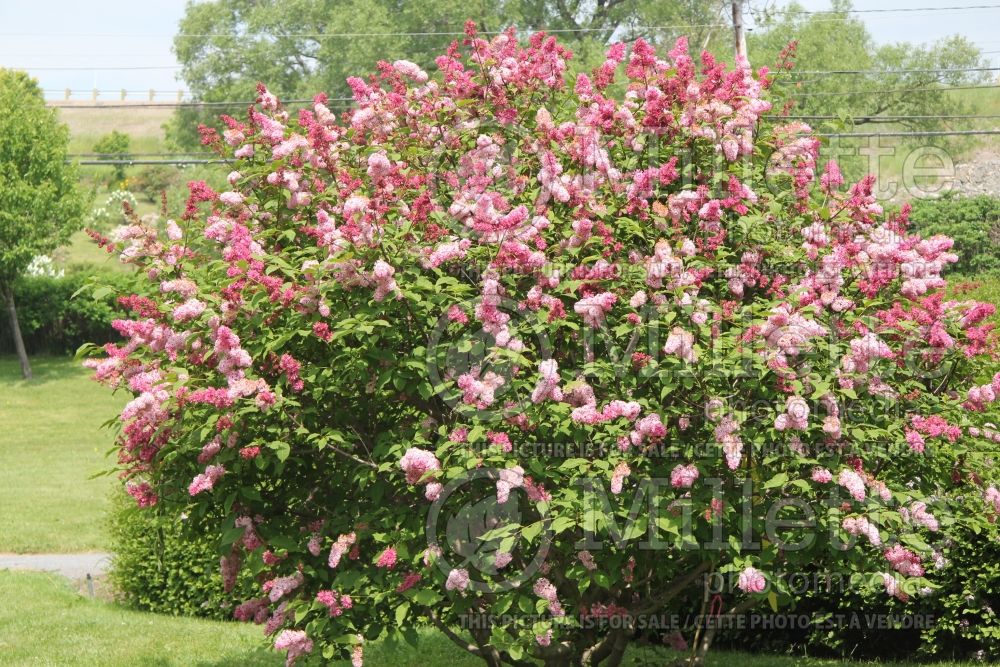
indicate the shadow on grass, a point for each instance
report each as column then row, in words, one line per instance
column 251, row 658
column 45, row 369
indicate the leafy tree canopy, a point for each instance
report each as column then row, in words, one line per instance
column 39, row 203
column 836, row 40
column 302, row 46
column 299, row 47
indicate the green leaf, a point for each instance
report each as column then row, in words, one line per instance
column 562, row 524
column 776, row 481
column 401, row 612
column 281, row 449
column 426, row 597
column 532, row 531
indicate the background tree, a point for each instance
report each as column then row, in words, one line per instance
column 835, row 40
column 308, row 45
column 226, row 46
column 39, row 202
column 114, row 146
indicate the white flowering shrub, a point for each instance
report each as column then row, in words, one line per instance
column 112, row 212
column 43, row 266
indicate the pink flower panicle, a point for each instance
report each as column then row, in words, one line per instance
column 853, row 482
column 458, row 580
column 417, row 463
column 206, row 481
column 295, row 642
column 683, row 476
column 339, row 548
column 751, row 580
column 509, row 478
column 544, row 589
column 861, row 526
column 387, row 559
column 335, row 602
column 621, row 471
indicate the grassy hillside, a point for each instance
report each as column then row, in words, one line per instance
column 87, row 125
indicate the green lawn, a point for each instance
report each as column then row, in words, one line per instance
column 82, row 250
column 50, row 445
column 44, row 622
column 436, row 651
column 980, row 288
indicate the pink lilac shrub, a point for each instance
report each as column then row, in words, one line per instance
column 425, row 358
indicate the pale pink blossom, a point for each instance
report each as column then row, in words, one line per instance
column 416, row 463
column 683, row 476
column 822, row 475
column 458, row 580
column 618, row 476
column 853, row 482
column 296, row 642
column 231, row 198
column 751, row 580
column 206, row 481
column 681, row 343
column 509, row 478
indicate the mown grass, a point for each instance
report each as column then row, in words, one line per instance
column 44, row 622
column 82, row 253
column 51, row 444
column 434, row 650
column 980, row 288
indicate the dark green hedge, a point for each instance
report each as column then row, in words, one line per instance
column 961, row 615
column 974, row 223
column 163, row 564
column 53, row 321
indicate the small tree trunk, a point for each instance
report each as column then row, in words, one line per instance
column 15, row 330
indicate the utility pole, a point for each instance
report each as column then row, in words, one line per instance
column 740, row 40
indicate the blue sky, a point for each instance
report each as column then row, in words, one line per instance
column 92, row 35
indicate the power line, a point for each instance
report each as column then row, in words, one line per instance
column 886, row 118
column 459, row 33
column 889, row 92
column 328, row 35
column 840, row 71
column 946, row 133
column 156, row 105
column 49, row 54
column 98, row 67
column 173, row 92
column 898, row 10
column 898, row 71
column 127, row 155
column 101, row 163
column 143, row 105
